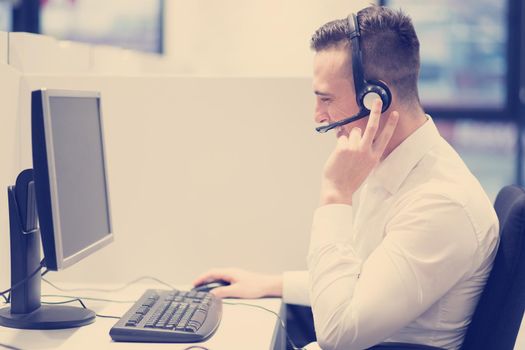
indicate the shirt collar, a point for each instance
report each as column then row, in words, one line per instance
column 394, row 169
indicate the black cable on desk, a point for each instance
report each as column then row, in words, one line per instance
column 19, row 283
column 88, row 298
column 10, row 347
column 81, row 303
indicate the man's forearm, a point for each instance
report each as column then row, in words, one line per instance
column 274, row 285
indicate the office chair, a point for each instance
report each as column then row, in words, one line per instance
column 497, row 318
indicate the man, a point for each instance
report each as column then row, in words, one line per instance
column 404, row 237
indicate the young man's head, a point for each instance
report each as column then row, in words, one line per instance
column 390, row 53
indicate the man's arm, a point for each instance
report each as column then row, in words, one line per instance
column 357, row 304
column 244, row 284
column 292, row 286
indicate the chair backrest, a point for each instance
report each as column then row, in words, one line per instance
column 499, row 312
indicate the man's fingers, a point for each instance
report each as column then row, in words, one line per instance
column 373, row 123
column 386, row 134
column 342, row 141
column 354, row 138
column 212, row 275
column 225, row 292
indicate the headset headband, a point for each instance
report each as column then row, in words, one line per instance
column 357, row 62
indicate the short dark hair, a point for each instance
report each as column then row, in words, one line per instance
column 389, row 47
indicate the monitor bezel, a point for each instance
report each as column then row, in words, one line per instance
column 62, row 262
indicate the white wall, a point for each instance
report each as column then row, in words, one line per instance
column 69, row 58
column 251, row 38
column 31, row 53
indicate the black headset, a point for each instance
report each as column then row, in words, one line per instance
column 366, row 91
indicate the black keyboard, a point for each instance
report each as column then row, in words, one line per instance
column 169, row 316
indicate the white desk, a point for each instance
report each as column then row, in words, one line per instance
column 242, row 327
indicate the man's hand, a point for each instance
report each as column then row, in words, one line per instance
column 244, row 284
column 354, row 157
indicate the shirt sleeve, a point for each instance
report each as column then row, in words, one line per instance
column 295, row 288
column 428, row 247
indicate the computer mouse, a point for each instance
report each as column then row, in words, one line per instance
column 207, row 286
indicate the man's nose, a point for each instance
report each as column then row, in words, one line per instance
column 320, row 114
column 321, row 118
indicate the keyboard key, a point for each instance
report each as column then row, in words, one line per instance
column 192, row 329
column 136, row 318
column 199, row 316
column 143, row 310
column 149, row 302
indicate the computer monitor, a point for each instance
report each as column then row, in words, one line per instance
column 67, row 190
column 70, row 175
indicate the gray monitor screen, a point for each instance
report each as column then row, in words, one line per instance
column 80, row 174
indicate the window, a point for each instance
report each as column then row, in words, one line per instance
column 6, row 14
column 465, row 62
column 131, row 24
column 488, row 149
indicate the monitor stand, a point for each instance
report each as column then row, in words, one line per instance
column 26, row 310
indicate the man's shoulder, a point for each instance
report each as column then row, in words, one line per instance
column 442, row 174
column 437, row 189
column 442, row 196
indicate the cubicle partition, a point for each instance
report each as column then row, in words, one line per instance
column 9, row 156
column 203, row 171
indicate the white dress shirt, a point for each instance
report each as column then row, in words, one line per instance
column 407, row 261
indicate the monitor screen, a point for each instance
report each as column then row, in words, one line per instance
column 80, row 175
column 463, row 46
column 79, row 215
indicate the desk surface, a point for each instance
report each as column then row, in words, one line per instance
column 242, row 327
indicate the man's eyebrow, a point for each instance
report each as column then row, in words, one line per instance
column 320, row 93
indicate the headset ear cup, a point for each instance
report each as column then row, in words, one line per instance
column 369, row 98
column 381, row 90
